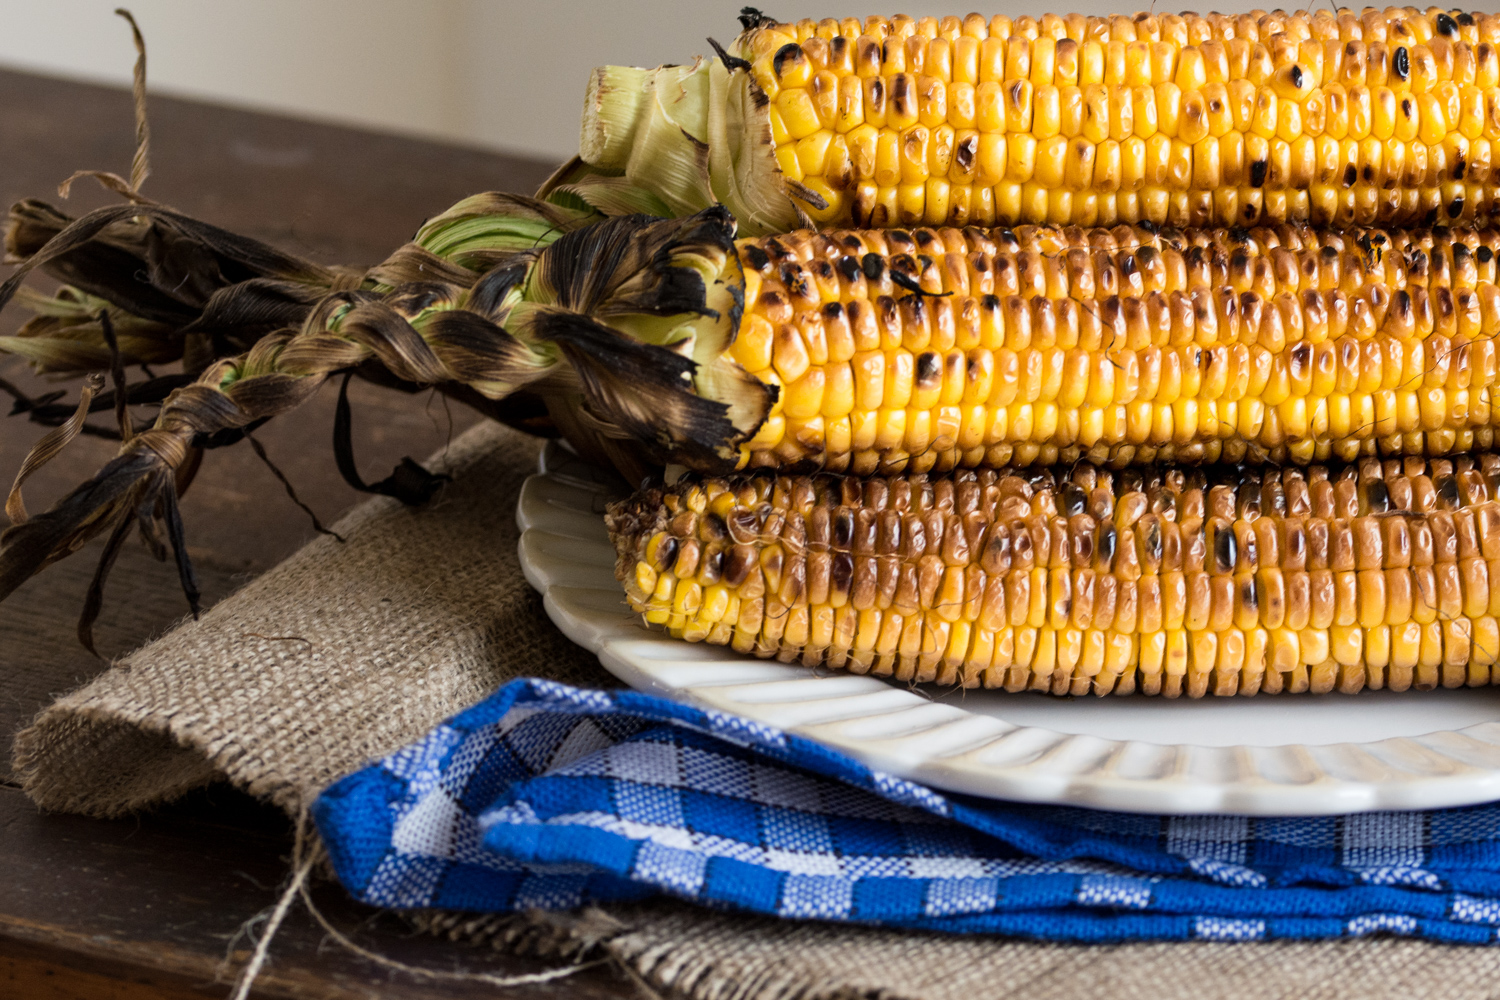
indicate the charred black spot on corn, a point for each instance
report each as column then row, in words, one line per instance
column 755, row 258
column 1401, row 64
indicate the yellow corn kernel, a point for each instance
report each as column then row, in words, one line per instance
column 798, row 115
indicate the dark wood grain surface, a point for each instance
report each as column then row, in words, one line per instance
column 150, row 907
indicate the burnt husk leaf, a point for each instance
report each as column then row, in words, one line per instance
column 633, row 266
column 185, row 260
column 643, row 389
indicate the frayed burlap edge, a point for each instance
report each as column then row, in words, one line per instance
column 340, row 654
column 683, row 950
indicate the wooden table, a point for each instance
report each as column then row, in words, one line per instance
column 151, row 907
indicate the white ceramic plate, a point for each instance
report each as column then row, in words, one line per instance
column 1292, row 755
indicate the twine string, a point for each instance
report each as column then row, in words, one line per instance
column 307, row 852
column 302, row 862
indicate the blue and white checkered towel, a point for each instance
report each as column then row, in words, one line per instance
column 549, row 796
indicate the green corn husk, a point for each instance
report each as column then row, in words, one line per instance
column 66, row 336
column 684, row 137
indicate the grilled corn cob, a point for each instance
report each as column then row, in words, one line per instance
column 1125, row 345
column 1159, row 581
column 1331, row 117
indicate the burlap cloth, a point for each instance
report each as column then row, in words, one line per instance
column 346, row 651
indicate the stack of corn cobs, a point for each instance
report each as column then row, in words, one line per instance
column 1145, row 354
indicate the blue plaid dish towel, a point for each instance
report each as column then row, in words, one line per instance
column 546, row 796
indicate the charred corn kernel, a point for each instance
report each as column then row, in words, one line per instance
column 1392, row 76
column 1080, row 578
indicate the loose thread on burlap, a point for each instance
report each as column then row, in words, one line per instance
column 639, row 981
column 475, row 977
column 302, row 862
column 306, row 852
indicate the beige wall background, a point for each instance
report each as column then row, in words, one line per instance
column 501, row 74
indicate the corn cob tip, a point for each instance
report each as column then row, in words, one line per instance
column 632, row 522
